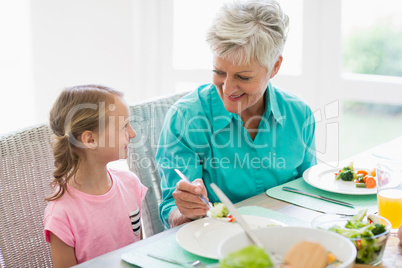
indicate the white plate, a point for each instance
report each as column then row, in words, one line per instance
column 322, row 177
column 202, row 237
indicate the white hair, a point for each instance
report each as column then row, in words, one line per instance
column 243, row 31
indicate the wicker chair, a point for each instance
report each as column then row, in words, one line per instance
column 26, row 165
column 147, row 119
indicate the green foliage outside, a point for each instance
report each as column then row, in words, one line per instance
column 376, row 50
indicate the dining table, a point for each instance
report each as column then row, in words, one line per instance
column 296, row 210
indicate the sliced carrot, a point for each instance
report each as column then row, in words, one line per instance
column 363, row 172
column 358, row 244
column 370, row 182
column 372, row 172
column 331, row 258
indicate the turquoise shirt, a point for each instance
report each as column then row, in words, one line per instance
column 203, row 140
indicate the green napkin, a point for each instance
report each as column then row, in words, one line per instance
column 274, row 215
column 359, row 201
column 166, row 247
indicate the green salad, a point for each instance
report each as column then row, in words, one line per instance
column 249, row 257
column 219, row 210
column 365, row 235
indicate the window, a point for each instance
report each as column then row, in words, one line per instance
column 151, row 48
column 372, row 38
column 192, row 19
column 316, row 63
column 372, row 53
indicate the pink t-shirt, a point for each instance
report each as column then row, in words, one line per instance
column 96, row 224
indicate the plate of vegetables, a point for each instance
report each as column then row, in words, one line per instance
column 343, row 179
column 362, row 178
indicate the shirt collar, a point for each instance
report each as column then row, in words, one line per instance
column 221, row 117
column 273, row 106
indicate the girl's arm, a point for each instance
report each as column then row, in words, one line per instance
column 62, row 254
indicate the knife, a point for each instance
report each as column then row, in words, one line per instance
column 289, row 189
column 187, row 180
column 229, row 205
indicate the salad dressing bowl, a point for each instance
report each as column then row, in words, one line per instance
column 279, row 240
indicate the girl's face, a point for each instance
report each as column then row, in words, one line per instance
column 242, row 87
column 118, row 132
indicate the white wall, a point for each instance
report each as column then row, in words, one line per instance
column 46, row 45
column 16, row 70
column 80, row 41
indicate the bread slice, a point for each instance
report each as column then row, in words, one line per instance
column 306, row 254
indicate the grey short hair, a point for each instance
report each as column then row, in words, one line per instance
column 243, row 31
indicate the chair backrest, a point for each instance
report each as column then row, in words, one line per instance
column 147, row 120
column 26, row 165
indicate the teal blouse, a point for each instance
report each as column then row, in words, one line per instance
column 203, row 140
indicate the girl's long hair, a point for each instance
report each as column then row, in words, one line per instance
column 77, row 109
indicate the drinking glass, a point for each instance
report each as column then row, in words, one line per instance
column 389, row 192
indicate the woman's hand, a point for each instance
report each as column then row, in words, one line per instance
column 400, row 235
column 188, row 202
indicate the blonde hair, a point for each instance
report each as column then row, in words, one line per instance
column 243, row 31
column 77, row 109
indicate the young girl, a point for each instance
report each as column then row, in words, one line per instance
column 94, row 209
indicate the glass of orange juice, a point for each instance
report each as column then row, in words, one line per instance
column 389, row 192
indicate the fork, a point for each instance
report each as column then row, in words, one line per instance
column 197, row 263
column 184, row 177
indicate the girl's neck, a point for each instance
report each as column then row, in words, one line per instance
column 91, row 180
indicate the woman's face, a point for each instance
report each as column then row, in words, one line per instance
column 242, row 87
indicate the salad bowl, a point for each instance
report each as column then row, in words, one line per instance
column 279, row 240
column 369, row 240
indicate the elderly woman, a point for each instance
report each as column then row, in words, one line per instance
column 239, row 132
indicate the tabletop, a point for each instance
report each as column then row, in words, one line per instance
column 392, row 256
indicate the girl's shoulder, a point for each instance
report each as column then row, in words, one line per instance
column 123, row 174
column 128, row 183
column 125, row 177
column 61, row 206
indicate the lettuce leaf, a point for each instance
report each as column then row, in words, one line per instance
column 249, row 257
